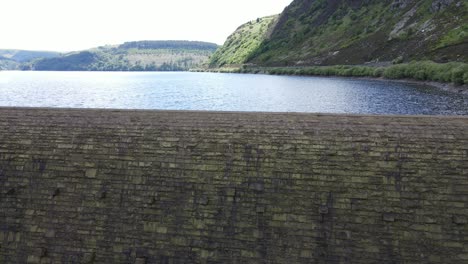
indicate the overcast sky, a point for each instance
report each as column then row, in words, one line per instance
column 68, row 25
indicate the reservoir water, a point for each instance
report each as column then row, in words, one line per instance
column 224, row 92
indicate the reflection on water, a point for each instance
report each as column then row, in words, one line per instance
column 223, row 92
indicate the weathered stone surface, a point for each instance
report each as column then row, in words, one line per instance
column 438, row 5
column 400, row 4
column 109, row 186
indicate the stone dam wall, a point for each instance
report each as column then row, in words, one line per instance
column 115, row 186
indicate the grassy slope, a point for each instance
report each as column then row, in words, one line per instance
column 243, row 43
column 330, row 32
column 134, row 56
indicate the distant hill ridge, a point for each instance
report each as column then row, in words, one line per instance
column 169, row 44
column 130, row 56
column 7, row 64
column 11, row 59
column 26, row 55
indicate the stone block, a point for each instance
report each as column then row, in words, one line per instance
column 460, row 219
column 140, row 261
column 50, row 233
column 389, row 217
column 91, row 173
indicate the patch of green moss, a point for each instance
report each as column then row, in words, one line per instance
column 454, row 36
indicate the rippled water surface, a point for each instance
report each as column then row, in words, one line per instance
column 224, row 92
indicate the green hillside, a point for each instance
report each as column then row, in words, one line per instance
column 330, row 32
column 243, row 43
column 347, row 32
column 131, row 56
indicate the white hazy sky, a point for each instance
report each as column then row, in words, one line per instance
column 68, row 25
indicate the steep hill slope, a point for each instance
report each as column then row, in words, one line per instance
column 243, row 43
column 132, row 56
column 325, row 32
column 331, row 32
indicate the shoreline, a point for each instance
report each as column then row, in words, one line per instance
column 444, row 86
column 448, row 87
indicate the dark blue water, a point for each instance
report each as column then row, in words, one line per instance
column 224, row 92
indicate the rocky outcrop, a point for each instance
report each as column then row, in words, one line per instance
column 398, row 29
column 439, row 5
column 400, row 4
